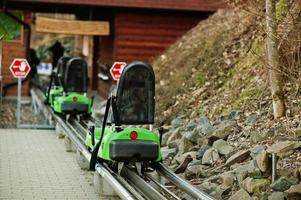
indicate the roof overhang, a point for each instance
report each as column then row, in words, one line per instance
column 196, row 5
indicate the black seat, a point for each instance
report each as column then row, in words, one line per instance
column 75, row 77
column 133, row 104
column 135, row 95
column 60, row 71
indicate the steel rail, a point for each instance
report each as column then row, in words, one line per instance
column 129, row 188
column 181, row 183
column 69, row 130
column 119, row 189
column 121, row 186
column 162, row 187
column 141, row 184
column 75, row 125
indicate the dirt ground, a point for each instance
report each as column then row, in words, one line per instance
column 8, row 114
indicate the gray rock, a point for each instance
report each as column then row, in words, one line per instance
column 238, row 157
column 174, row 135
column 203, row 120
column 256, row 150
column 174, row 144
column 166, row 152
column 297, row 133
column 252, row 185
column 165, row 138
column 177, row 122
column 191, row 126
column 227, row 179
column 202, row 151
column 220, row 191
column 284, row 148
column 241, row 195
column 192, row 136
column 253, row 170
column 222, row 147
column 210, row 156
column 263, row 161
column 202, row 141
column 208, row 187
column 194, row 171
column 241, row 173
column 195, row 162
column 252, row 119
column 185, row 145
column 194, row 148
column 204, row 126
column 294, row 192
column 276, row 196
column 257, row 136
column 282, row 184
column 224, row 129
column 233, row 115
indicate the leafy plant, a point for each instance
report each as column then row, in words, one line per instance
column 9, row 27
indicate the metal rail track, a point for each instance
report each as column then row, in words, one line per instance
column 128, row 184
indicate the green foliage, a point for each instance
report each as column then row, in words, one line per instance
column 43, row 53
column 245, row 97
column 9, row 27
column 240, row 80
column 200, row 78
column 281, row 9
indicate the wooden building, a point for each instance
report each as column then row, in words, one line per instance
column 139, row 29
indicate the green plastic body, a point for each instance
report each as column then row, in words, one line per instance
column 111, row 135
column 57, row 98
column 81, row 99
column 55, row 92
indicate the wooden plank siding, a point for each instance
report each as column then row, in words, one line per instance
column 191, row 5
column 140, row 36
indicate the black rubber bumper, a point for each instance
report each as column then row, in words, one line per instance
column 133, row 150
column 74, row 107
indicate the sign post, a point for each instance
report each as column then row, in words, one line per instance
column 20, row 69
column 116, row 70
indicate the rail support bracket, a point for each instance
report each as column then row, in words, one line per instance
column 102, row 187
column 69, row 145
column 81, row 160
column 59, row 131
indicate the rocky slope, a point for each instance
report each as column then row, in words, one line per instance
column 213, row 98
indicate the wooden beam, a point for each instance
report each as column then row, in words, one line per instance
column 75, row 27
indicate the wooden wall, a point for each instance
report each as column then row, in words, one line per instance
column 143, row 36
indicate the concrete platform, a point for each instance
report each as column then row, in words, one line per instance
column 34, row 165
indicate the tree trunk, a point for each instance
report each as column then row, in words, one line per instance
column 275, row 76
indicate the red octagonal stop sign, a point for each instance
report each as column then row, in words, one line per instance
column 19, row 68
column 116, row 70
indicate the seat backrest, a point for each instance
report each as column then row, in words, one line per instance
column 60, row 70
column 135, row 103
column 75, row 77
